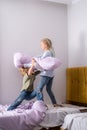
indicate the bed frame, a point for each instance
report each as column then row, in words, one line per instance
column 76, row 86
column 53, row 128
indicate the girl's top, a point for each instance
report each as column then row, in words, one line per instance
column 48, row 73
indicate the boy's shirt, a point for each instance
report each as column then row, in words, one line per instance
column 28, row 81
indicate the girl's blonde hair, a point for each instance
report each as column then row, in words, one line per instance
column 48, row 42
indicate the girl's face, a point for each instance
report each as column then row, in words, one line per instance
column 43, row 46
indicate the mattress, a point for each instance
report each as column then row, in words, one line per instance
column 25, row 116
column 76, row 121
column 55, row 115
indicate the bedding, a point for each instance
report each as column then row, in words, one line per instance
column 25, row 117
column 48, row 63
column 34, row 115
column 76, row 121
column 55, row 116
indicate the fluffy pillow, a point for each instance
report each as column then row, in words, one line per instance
column 48, row 63
column 20, row 59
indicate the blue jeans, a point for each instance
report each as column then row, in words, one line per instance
column 45, row 81
column 23, row 95
column 26, row 95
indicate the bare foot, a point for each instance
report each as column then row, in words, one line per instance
column 57, row 105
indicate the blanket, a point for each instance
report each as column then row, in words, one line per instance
column 25, row 117
column 48, row 63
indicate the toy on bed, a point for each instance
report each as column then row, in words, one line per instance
column 48, row 63
column 25, row 117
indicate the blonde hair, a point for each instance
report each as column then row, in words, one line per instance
column 48, row 42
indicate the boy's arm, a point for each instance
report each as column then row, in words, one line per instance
column 30, row 71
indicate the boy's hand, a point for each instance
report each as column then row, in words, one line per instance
column 30, row 71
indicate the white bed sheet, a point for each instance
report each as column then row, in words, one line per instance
column 55, row 116
column 77, row 121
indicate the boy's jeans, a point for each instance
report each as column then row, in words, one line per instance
column 23, row 95
column 26, row 95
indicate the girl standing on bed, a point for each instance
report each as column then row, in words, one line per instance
column 46, row 75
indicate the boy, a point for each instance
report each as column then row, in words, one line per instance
column 27, row 87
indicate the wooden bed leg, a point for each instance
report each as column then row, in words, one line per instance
column 61, row 129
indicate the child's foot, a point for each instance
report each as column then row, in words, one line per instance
column 46, row 106
column 57, row 105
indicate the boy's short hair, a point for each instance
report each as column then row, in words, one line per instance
column 24, row 67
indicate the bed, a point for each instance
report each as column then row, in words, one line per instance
column 35, row 116
column 55, row 116
column 77, row 121
column 76, row 83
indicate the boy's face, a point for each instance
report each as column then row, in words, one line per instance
column 22, row 71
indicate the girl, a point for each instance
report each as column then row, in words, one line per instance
column 46, row 75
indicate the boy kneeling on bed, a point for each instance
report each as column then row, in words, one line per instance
column 27, row 92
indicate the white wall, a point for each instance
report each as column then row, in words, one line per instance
column 23, row 24
column 77, row 34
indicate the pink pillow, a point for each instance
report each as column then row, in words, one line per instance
column 48, row 63
column 20, row 59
